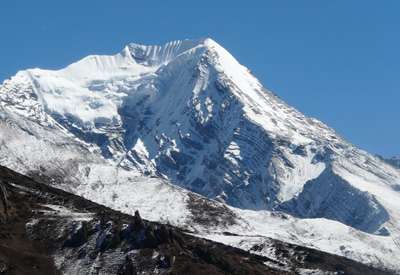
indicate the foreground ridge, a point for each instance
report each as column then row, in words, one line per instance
column 61, row 233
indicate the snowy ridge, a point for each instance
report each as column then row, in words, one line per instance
column 156, row 55
column 187, row 114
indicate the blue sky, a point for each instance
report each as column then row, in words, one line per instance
column 338, row 61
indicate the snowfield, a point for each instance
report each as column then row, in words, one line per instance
column 188, row 136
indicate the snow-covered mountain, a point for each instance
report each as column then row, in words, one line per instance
column 185, row 133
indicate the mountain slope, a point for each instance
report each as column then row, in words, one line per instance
column 65, row 234
column 188, row 114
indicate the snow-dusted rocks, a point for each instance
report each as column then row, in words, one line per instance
column 145, row 127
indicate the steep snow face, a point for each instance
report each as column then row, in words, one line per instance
column 188, row 113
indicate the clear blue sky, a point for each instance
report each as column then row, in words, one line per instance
column 338, row 61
